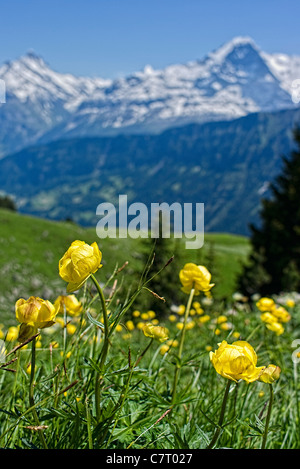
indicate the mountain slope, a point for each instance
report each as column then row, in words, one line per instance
column 233, row 81
column 225, row 165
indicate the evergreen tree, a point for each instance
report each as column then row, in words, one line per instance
column 8, row 203
column 274, row 263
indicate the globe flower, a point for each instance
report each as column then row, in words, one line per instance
column 70, row 302
column 275, row 319
column 266, row 304
column 290, row 303
column 195, row 276
column 33, row 314
column 268, row 318
column 270, row 374
column 12, row 333
column 159, row 333
column 276, row 327
column 79, row 262
column 281, row 314
column 236, row 361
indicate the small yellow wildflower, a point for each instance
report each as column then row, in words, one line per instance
column 71, row 328
column 164, row 349
column 265, row 304
column 130, row 325
column 159, row 333
column 180, row 325
column 204, row 318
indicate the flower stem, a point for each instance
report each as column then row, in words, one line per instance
column 264, row 441
column 181, row 343
column 221, row 418
column 31, row 394
column 104, row 350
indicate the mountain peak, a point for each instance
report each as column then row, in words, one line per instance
column 32, row 58
column 237, row 42
column 236, row 79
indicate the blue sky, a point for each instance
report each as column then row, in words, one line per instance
column 110, row 38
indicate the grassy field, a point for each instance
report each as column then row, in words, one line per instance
column 31, row 248
column 113, row 376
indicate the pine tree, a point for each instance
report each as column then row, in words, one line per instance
column 8, row 203
column 274, row 263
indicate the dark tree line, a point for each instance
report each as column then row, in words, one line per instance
column 274, row 263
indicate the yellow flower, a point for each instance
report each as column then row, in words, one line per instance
column 130, row 325
column 173, row 343
column 71, row 328
column 180, row 325
column 266, row 304
column 195, row 276
column 164, row 349
column 272, row 322
column 12, row 333
column 268, row 318
column 28, row 369
column 270, row 374
column 140, row 325
column 204, row 318
column 190, row 325
column 159, row 333
column 78, row 263
column 151, row 314
column 236, row 334
column 236, row 361
column 276, row 327
column 35, row 312
column 221, row 319
column 290, row 303
column 225, row 326
column 70, row 302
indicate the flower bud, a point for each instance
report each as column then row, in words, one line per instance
column 270, row 374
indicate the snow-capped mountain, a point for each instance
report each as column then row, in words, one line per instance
column 233, row 81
